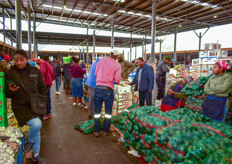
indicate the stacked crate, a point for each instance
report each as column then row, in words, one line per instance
column 3, row 103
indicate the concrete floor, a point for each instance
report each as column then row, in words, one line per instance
column 62, row 144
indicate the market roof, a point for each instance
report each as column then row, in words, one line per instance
column 77, row 39
column 130, row 15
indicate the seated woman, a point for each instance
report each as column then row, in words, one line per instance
column 218, row 88
column 174, row 98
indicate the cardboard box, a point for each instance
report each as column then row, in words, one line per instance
column 208, row 60
column 124, row 104
column 122, row 89
column 203, row 54
column 224, row 53
column 196, row 61
column 214, row 53
column 124, row 97
column 212, row 46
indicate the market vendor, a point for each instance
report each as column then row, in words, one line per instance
column 126, row 67
column 174, row 97
column 162, row 69
column 144, row 82
column 217, row 89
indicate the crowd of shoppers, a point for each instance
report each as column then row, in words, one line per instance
column 103, row 75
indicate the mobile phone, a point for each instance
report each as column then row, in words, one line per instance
column 10, row 82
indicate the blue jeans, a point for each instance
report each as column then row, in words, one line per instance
column 100, row 95
column 58, row 82
column 49, row 106
column 145, row 95
column 34, row 133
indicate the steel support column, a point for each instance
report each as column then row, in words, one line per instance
column 112, row 34
column 18, row 24
column 200, row 37
column 94, row 37
column 135, row 51
column 3, row 20
column 160, row 55
column 29, row 28
column 153, row 32
column 143, row 49
column 34, row 35
column 87, row 45
column 175, row 39
column 11, row 38
column 130, row 48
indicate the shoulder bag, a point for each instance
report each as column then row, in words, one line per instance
column 38, row 102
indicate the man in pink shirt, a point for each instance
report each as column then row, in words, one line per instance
column 107, row 72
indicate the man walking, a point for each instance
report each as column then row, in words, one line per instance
column 162, row 69
column 144, row 82
column 57, row 71
column 48, row 74
column 107, row 72
column 91, row 83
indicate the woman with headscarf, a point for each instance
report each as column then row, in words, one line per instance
column 217, row 89
column 175, row 98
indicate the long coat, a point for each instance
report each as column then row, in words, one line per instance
column 33, row 81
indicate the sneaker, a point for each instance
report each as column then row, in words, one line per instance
column 106, row 133
column 46, row 117
column 58, row 93
column 79, row 104
column 74, row 104
column 27, row 147
column 86, row 107
column 49, row 116
column 96, row 134
column 38, row 159
column 90, row 117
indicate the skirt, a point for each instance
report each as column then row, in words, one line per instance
column 77, row 88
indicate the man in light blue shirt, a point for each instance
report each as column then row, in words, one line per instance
column 91, row 83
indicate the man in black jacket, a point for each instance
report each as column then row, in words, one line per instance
column 34, row 83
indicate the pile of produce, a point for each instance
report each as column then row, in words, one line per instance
column 172, row 137
column 9, row 144
column 87, row 126
column 195, row 92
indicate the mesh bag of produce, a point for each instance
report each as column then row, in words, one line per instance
column 162, row 153
column 165, row 134
column 187, row 115
column 195, row 92
column 150, row 158
column 149, row 124
column 204, row 147
column 219, row 127
column 222, row 156
column 180, row 142
column 87, row 126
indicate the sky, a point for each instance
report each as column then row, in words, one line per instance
column 185, row 40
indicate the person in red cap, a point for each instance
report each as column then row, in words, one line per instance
column 217, row 89
column 8, row 60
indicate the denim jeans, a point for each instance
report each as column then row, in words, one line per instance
column 49, row 106
column 34, row 133
column 100, row 95
column 58, row 82
column 91, row 103
column 145, row 95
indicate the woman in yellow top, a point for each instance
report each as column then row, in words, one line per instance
column 218, row 88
